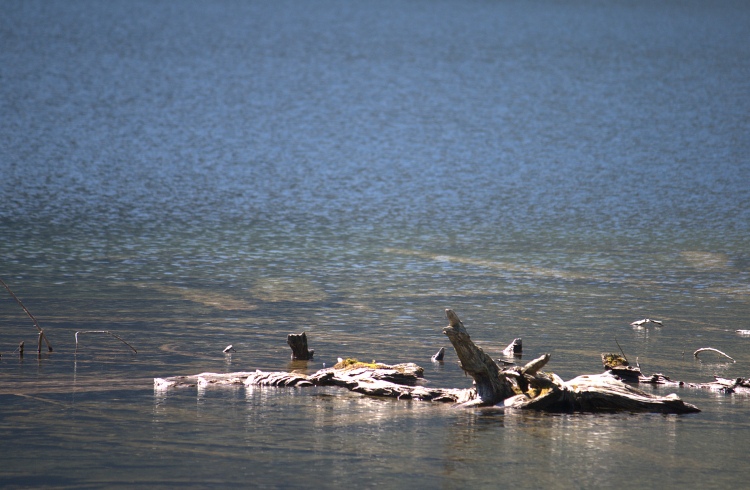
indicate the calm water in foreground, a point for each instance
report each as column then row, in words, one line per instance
column 190, row 175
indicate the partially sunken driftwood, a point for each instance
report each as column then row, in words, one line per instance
column 373, row 379
column 526, row 387
column 619, row 367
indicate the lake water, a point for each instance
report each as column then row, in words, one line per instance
column 189, row 175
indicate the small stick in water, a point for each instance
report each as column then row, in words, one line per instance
column 711, row 349
column 621, row 351
column 641, row 323
column 229, row 348
column 108, row 333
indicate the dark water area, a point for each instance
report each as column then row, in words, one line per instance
column 189, row 175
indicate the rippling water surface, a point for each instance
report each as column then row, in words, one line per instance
column 197, row 174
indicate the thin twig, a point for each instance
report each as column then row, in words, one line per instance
column 621, row 351
column 711, row 349
column 103, row 331
column 36, row 323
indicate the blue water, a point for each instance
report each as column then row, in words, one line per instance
column 197, row 174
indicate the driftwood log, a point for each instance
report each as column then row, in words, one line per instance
column 530, row 388
column 526, row 387
column 400, row 381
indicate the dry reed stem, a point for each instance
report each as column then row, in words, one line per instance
column 36, row 323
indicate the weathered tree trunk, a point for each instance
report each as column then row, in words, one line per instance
column 298, row 343
column 529, row 388
column 491, row 387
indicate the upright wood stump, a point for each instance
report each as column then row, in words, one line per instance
column 298, row 343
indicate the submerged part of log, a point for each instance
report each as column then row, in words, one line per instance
column 392, row 381
column 641, row 323
column 491, row 386
column 298, row 343
column 515, row 348
column 260, row 378
column 382, row 381
column 422, row 393
column 723, row 385
column 203, row 379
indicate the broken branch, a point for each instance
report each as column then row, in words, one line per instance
column 106, row 332
column 36, row 323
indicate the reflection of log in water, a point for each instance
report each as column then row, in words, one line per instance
column 526, row 387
